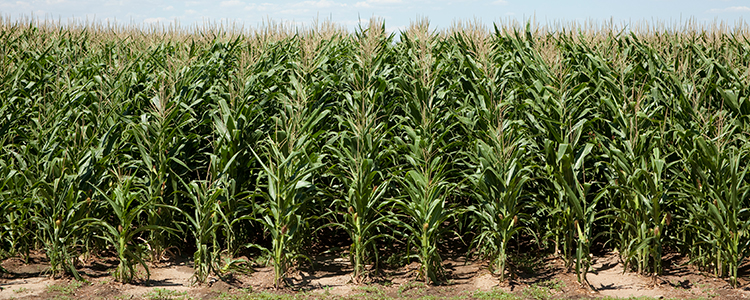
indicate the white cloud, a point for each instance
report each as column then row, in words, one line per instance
column 260, row 7
column 299, row 8
column 22, row 4
column 169, row 7
column 371, row 3
column 730, row 9
column 294, row 11
column 113, row 3
column 231, row 3
column 317, row 4
column 500, row 2
column 155, row 20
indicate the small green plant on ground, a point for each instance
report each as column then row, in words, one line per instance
column 494, row 295
column 709, row 291
column 372, row 289
column 259, row 296
column 537, row 292
column 634, row 298
column 65, row 288
column 555, row 285
column 411, row 288
column 543, row 290
column 165, row 294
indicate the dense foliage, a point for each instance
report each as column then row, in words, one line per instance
column 220, row 143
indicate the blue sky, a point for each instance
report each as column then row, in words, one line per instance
column 397, row 13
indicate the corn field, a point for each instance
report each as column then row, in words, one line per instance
column 217, row 142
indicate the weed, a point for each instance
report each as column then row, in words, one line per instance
column 261, row 296
column 537, row 292
column 494, row 295
column 65, row 289
column 412, row 288
column 370, row 291
column 165, row 294
column 555, row 285
column 633, row 298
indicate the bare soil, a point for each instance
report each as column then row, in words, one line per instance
column 330, row 278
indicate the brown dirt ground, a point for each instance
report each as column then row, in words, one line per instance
column 330, row 277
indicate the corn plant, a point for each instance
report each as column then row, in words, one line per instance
column 129, row 204
column 426, row 191
column 227, row 158
column 641, row 180
column 16, row 218
column 574, row 205
column 363, row 201
column 720, row 212
column 426, row 187
column 359, row 150
column 498, row 187
column 60, row 216
column 643, row 215
column 567, row 123
column 500, row 168
column 288, row 161
column 158, row 138
column 425, row 143
column 282, row 214
column 205, row 222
